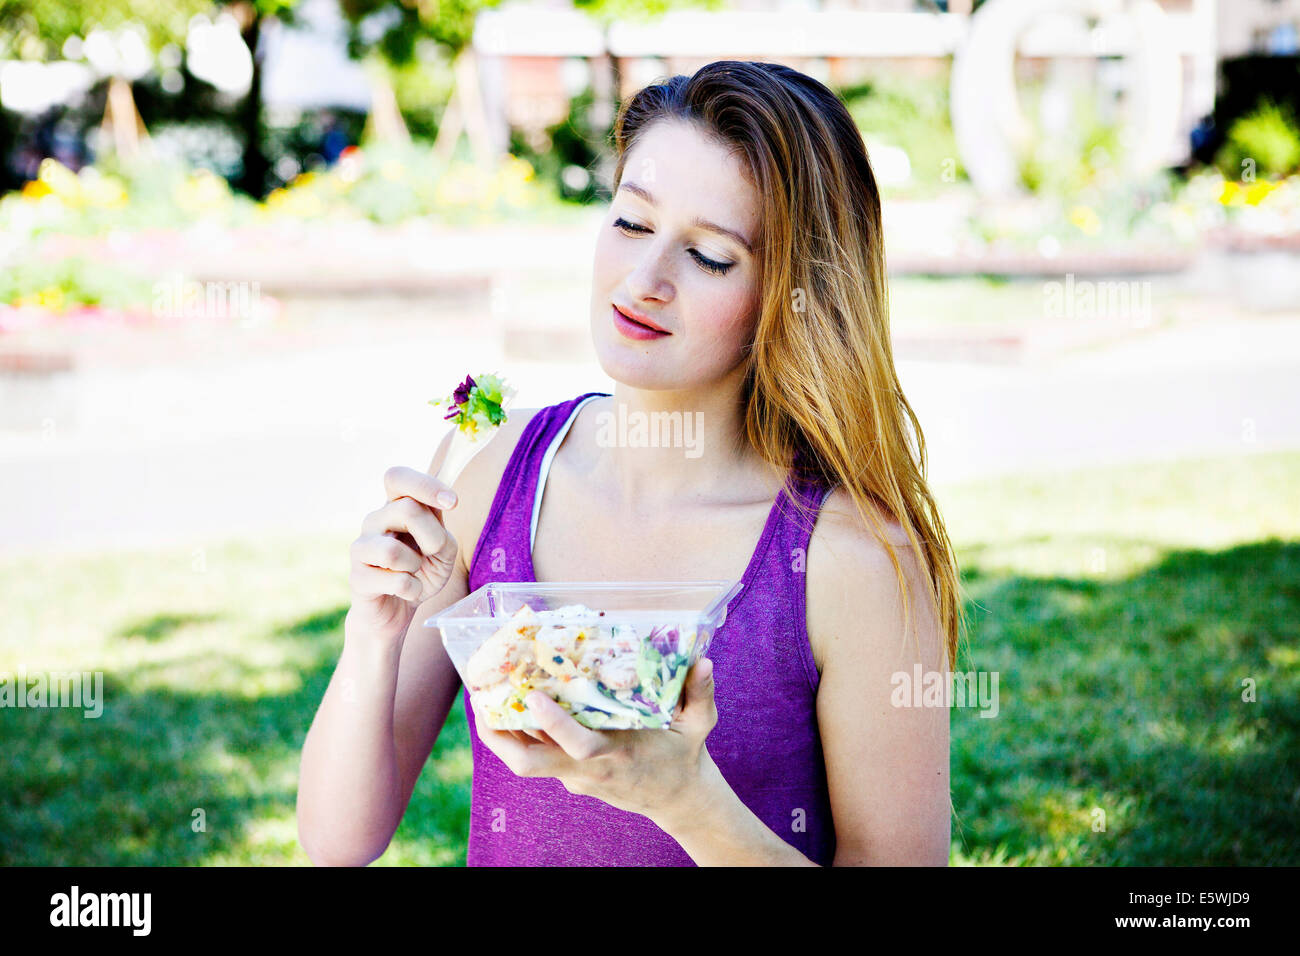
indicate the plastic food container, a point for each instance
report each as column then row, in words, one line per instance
column 613, row 654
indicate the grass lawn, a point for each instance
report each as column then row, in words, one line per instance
column 1122, row 610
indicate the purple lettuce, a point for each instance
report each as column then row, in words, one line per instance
column 650, row 705
column 459, row 397
column 664, row 640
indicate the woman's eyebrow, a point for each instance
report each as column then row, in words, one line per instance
column 698, row 221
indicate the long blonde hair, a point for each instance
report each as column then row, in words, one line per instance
column 821, row 394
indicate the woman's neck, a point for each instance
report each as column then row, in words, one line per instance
column 654, row 449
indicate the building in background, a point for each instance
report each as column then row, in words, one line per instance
column 535, row 54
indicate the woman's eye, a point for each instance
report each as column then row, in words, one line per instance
column 717, row 268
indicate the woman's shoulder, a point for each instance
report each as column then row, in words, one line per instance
column 840, row 526
column 476, row 486
column 847, row 557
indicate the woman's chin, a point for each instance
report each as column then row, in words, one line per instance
column 631, row 374
column 630, row 368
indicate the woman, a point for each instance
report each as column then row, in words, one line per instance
column 739, row 280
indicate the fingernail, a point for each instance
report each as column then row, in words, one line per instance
column 446, row 499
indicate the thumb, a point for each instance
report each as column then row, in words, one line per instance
column 699, row 704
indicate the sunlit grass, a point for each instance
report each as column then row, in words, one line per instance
column 1127, row 611
column 1131, row 613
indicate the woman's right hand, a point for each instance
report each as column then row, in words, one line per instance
column 403, row 556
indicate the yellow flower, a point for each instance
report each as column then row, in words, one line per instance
column 202, row 192
column 51, row 297
column 36, row 189
column 1231, row 190
column 106, row 193
column 61, row 181
column 518, row 166
column 1258, row 191
column 1086, row 219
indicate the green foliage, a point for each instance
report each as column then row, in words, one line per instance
column 913, row 115
column 423, row 88
column 449, row 23
column 1268, row 137
column 1065, row 165
column 569, row 152
column 138, row 194
column 70, row 283
column 638, row 11
column 37, row 29
column 391, row 183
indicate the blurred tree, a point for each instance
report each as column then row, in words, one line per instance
column 133, row 31
column 609, row 12
column 38, row 29
column 252, row 15
column 392, row 30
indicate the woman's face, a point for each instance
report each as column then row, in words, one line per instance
column 672, row 252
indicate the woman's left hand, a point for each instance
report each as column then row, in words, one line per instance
column 656, row 773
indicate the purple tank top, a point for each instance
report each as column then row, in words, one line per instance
column 765, row 743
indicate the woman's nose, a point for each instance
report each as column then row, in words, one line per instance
column 650, row 276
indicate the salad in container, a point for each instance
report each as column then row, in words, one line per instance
column 614, row 655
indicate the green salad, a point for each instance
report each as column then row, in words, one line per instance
column 610, row 677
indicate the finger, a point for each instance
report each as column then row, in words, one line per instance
column 400, row 481
column 698, row 703
column 540, row 736
column 579, row 742
column 519, row 754
column 386, row 551
column 366, row 581
column 407, row 514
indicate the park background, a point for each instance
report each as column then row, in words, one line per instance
column 242, row 244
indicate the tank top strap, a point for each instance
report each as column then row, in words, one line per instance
column 801, row 503
column 557, row 437
column 780, row 581
column 503, row 544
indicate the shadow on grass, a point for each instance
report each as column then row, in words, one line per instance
column 159, row 627
column 1152, row 720
column 313, row 625
column 1122, row 736
column 123, row 789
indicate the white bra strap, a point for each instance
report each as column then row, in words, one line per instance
column 546, row 467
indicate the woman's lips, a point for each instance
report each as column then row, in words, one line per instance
column 634, row 330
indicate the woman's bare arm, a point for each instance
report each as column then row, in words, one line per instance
column 386, row 704
column 887, row 766
column 360, row 761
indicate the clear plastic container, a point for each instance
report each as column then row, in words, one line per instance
column 613, row 654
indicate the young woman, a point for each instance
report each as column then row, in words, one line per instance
column 739, row 279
